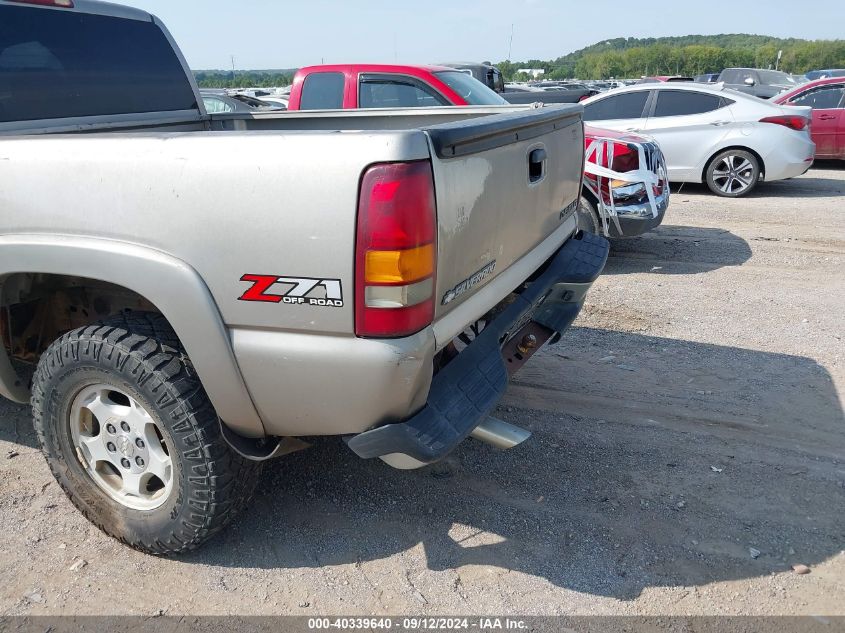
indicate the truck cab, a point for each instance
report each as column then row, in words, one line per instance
column 353, row 86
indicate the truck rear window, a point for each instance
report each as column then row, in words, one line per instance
column 322, row 91
column 57, row 64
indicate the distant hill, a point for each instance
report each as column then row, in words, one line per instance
column 631, row 57
column 727, row 40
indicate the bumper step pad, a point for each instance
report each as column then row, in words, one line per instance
column 466, row 391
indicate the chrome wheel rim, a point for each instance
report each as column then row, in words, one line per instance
column 733, row 174
column 121, row 447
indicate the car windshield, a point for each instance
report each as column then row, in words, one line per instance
column 469, row 88
column 770, row 77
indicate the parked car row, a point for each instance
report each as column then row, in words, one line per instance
column 675, row 121
column 222, row 101
column 711, row 130
column 758, row 82
column 726, row 139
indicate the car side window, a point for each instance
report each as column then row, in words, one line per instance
column 746, row 74
column 322, row 91
column 822, row 98
column 383, row 92
column 498, row 81
column 682, row 102
column 624, row 106
column 213, row 105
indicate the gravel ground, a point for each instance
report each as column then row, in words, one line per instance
column 688, row 448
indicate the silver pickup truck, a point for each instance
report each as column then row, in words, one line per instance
column 198, row 292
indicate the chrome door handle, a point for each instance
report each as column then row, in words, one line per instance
column 719, row 123
column 633, row 129
column 827, row 117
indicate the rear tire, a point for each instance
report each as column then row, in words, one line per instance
column 733, row 173
column 155, row 473
column 588, row 216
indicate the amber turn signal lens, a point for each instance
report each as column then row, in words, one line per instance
column 399, row 267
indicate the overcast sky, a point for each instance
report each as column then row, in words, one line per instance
column 289, row 34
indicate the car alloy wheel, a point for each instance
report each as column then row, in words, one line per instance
column 733, row 173
column 121, row 447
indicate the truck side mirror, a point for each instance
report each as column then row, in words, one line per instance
column 749, row 81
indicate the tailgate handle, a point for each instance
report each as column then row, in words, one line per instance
column 536, row 164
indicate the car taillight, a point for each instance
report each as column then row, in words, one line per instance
column 793, row 122
column 65, row 4
column 625, row 158
column 396, row 250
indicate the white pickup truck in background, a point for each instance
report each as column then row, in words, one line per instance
column 198, row 291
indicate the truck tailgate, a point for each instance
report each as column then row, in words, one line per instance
column 503, row 185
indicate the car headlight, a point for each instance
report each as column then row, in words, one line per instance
column 621, row 191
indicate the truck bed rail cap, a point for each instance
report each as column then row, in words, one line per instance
column 455, row 139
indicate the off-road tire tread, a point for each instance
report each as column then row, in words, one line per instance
column 219, row 482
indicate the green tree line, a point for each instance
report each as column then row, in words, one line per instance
column 243, row 78
column 688, row 55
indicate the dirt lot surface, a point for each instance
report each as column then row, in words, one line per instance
column 688, row 448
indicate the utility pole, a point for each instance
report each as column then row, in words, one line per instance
column 233, row 64
column 510, row 44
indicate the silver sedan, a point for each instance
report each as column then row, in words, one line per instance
column 710, row 134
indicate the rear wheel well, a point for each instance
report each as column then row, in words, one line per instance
column 738, row 147
column 37, row 308
column 589, row 195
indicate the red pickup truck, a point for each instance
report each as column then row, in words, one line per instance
column 625, row 192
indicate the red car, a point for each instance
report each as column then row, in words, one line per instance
column 827, row 98
column 625, row 191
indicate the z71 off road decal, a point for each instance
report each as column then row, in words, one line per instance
column 293, row 290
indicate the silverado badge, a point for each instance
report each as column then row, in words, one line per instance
column 468, row 284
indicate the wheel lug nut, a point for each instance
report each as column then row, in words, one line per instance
column 124, row 426
column 139, row 443
column 139, row 461
column 111, row 447
column 110, row 428
column 125, row 463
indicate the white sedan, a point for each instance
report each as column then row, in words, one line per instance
column 709, row 134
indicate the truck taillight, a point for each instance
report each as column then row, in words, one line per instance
column 793, row 122
column 65, row 4
column 396, row 250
